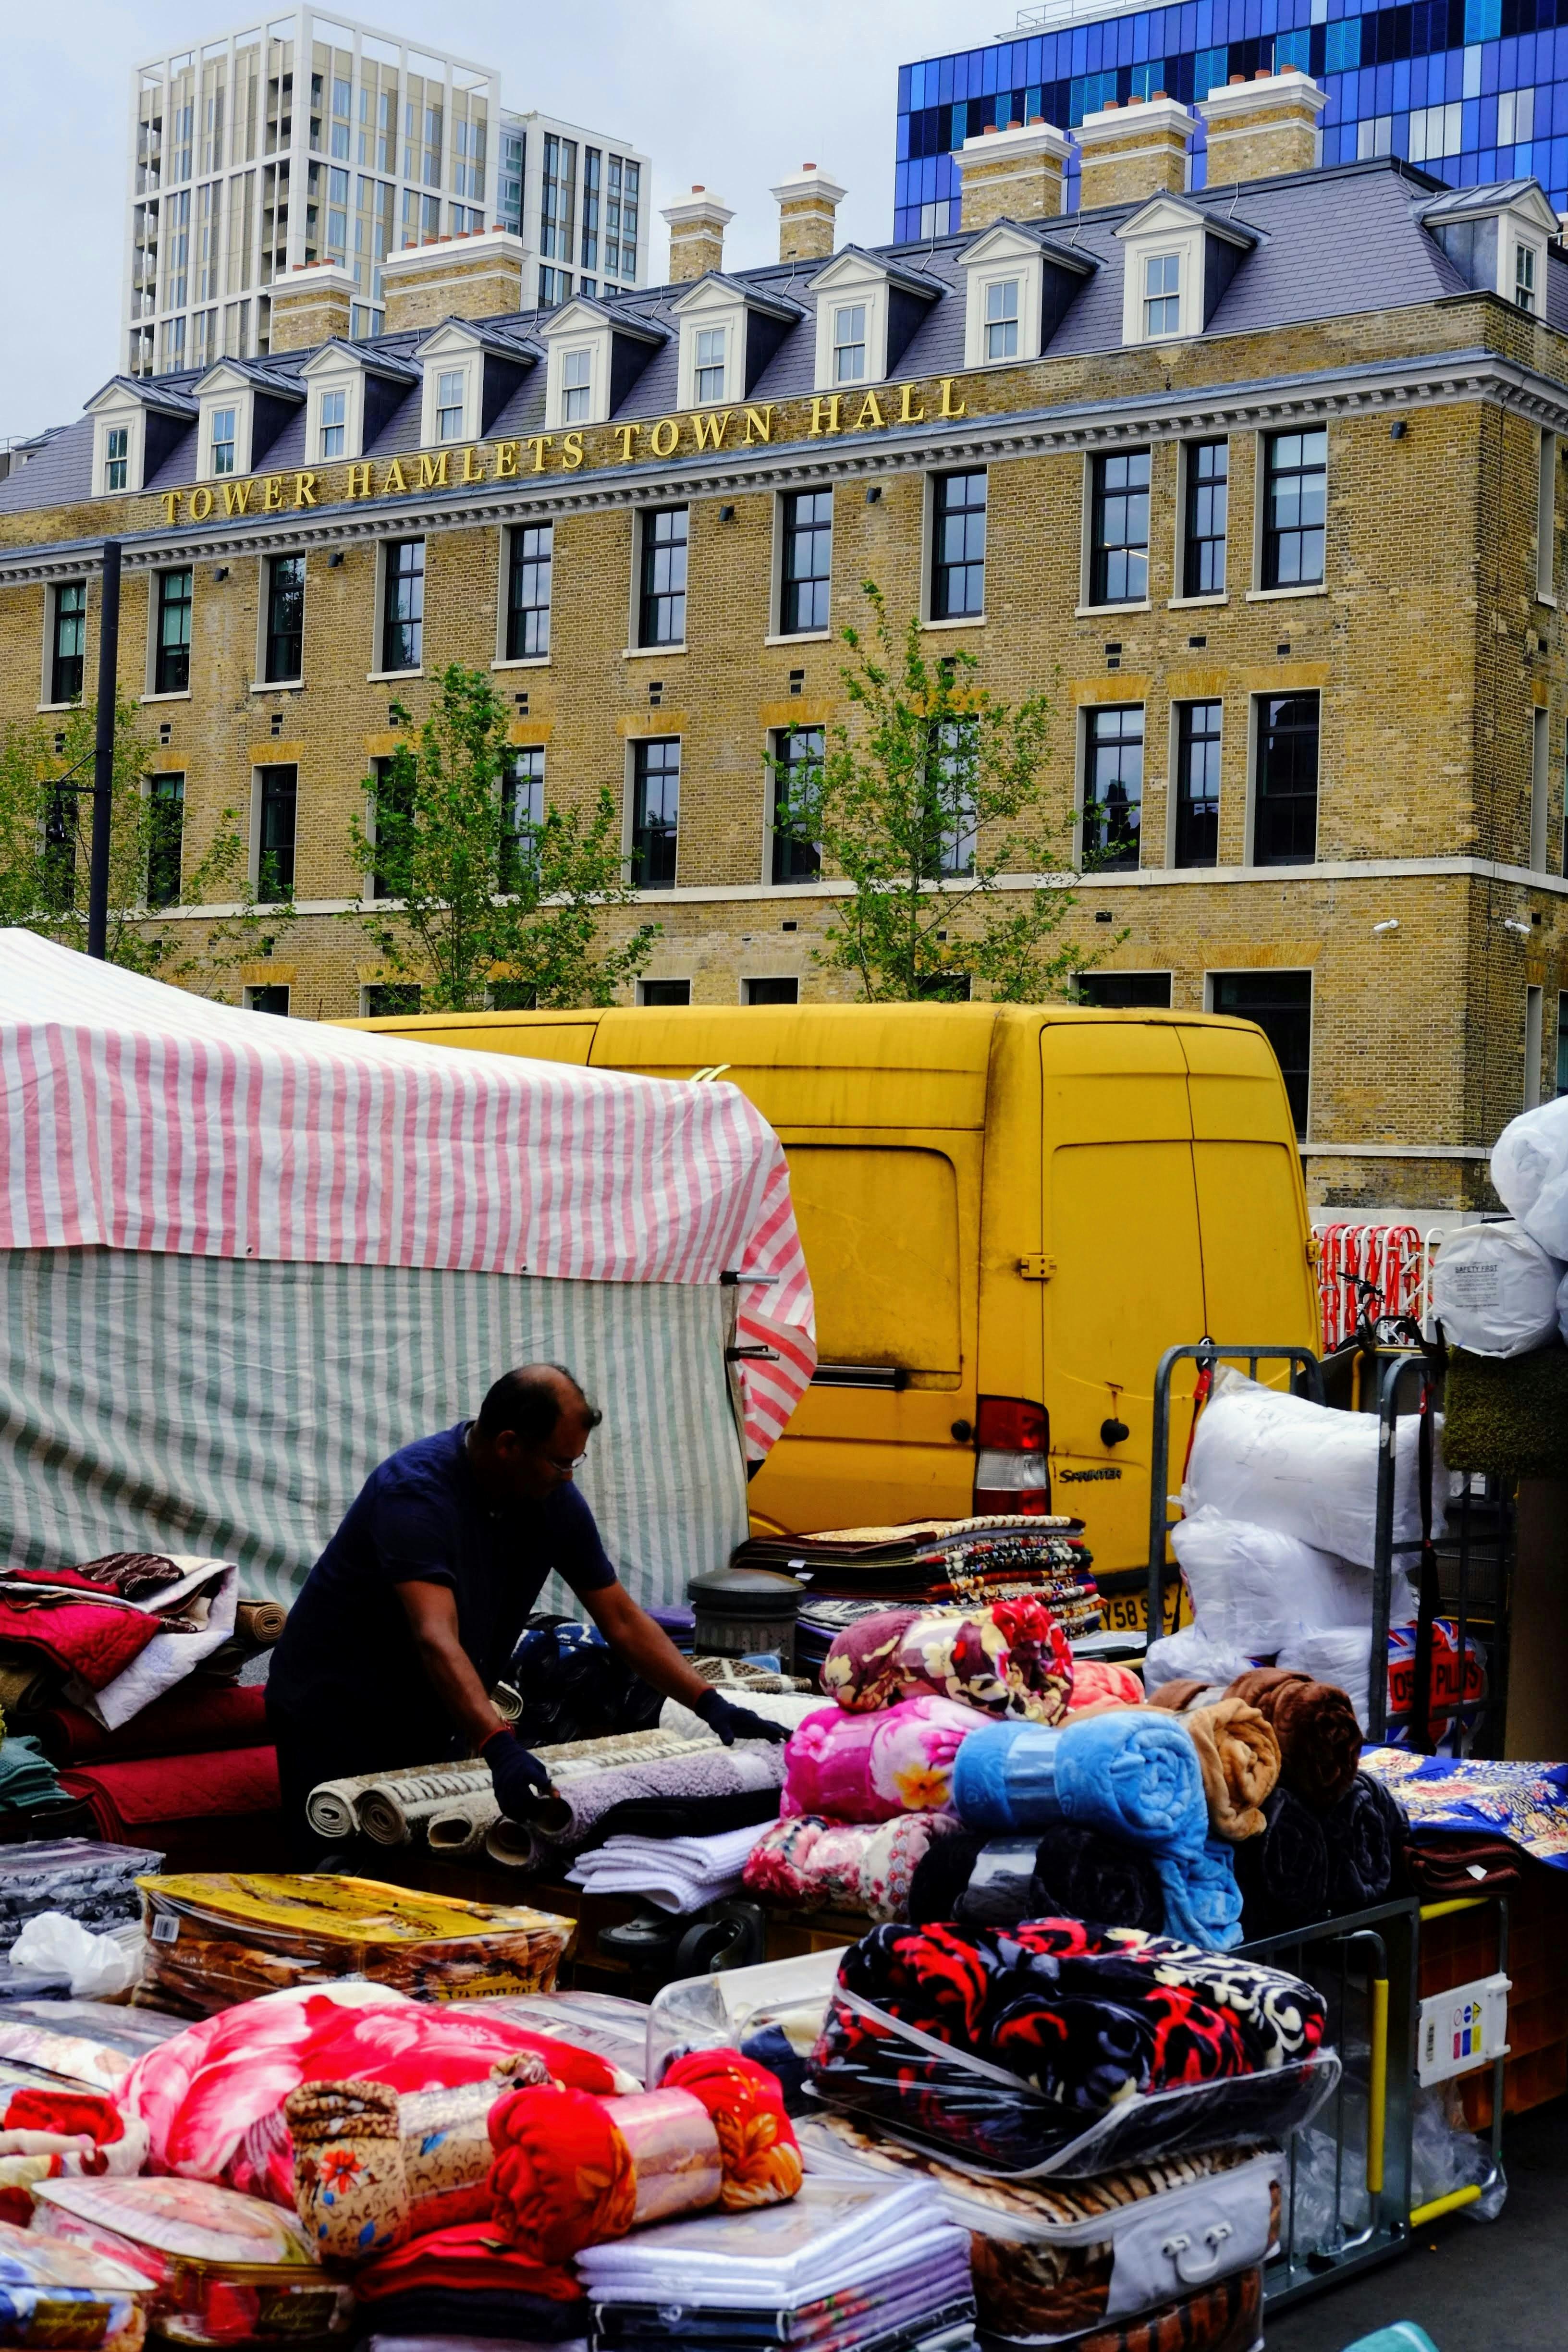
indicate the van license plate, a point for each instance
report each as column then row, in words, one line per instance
column 1129, row 1613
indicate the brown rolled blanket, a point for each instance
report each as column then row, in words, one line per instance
column 1315, row 1724
column 1182, row 1696
column 1240, row 1759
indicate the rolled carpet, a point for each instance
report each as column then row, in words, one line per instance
column 1365, row 1834
column 193, row 1719
column 155, row 1798
column 1239, row 1757
column 1283, row 1873
column 1315, row 1724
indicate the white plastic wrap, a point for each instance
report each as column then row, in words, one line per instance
column 1495, row 1291
column 1252, row 1588
column 96, row 1966
column 1341, row 1655
column 1303, row 1469
column 1188, row 1655
column 1530, row 1172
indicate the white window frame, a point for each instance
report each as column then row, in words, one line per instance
column 1159, row 228
column 1540, row 786
column 332, row 370
column 451, row 405
column 705, row 364
column 119, row 413
column 847, row 280
column 575, row 328
column 263, row 684
column 576, row 385
column 450, row 351
column 253, row 987
column 217, row 439
column 225, row 389
column 850, row 335
column 712, row 304
column 1002, row 254
column 47, row 663
column 1546, row 522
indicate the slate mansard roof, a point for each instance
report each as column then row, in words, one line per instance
column 1353, row 239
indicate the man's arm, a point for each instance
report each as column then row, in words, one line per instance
column 645, row 1646
column 432, row 1613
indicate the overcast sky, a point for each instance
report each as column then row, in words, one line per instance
column 732, row 96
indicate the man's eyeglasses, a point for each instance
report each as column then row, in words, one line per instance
column 566, row 1468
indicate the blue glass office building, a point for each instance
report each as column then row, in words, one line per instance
column 1475, row 90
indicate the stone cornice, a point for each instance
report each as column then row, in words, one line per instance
column 1437, row 378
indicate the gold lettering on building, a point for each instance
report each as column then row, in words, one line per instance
column 664, row 437
column 947, row 408
column 506, row 460
column 272, row 494
column 304, row 490
column 572, row 451
column 539, row 443
column 825, row 413
column 472, row 470
column 871, row 413
column 710, row 431
column 237, row 498
column 759, row 425
column 395, row 479
column 628, row 437
column 432, row 470
column 201, row 504
column 908, row 413
column 170, row 503
column 359, row 482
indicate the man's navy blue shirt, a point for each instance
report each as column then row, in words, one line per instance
column 347, row 1665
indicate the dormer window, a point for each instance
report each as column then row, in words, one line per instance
column 351, row 397
column 711, row 371
column 1524, row 276
column 333, row 425
column 577, row 387
column 1162, row 295
column 451, row 401
column 136, row 428
column 117, row 457
column 1002, row 319
column 223, row 440
column 849, row 343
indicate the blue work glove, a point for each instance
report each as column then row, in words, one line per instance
column 518, row 1777
column 732, row 1723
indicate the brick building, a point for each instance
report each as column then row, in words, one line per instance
column 1262, row 486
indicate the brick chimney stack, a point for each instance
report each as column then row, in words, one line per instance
column 1135, row 150
column 808, row 213
column 697, row 225
column 1260, row 129
column 1013, row 174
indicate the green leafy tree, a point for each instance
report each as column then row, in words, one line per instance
column 480, row 894
column 46, row 848
column 923, row 802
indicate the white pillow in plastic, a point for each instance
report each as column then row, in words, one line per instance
column 1189, row 1653
column 1495, row 1291
column 1342, row 1656
column 1529, row 1170
column 1304, row 1469
column 1253, row 1588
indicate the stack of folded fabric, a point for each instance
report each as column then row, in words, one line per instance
column 676, row 1874
column 1451, row 1803
column 56, row 2292
column 31, row 1796
column 845, row 2264
column 193, row 1771
column 91, row 1883
column 113, row 1634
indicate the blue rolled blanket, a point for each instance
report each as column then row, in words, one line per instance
column 1133, row 1775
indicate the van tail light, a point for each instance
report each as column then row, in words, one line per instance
column 1012, row 1465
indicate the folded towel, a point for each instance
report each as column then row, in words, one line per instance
column 678, row 1874
column 26, row 1778
column 1240, row 1760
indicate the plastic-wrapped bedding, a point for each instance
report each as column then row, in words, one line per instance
column 1224, row 2317
column 1052, row 2047
column 53, row 2293
column 1051, row 2258
column 1494, row 1290
column 1282, row 1462
column 1253, row 1589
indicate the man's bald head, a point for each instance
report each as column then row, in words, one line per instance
column 529, row 1401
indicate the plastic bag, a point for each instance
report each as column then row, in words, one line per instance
column 1530, row 1173
column 1303, row 1469
column 1189, row 1654
column 1446, row 2155
column 1495, row 1291
column 1252, row 1588
column 98, row 1966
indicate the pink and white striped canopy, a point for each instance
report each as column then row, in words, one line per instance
column 137, row 1116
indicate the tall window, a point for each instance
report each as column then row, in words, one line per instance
column 67, row 644
column 806, row 568
column 334, row 422
column 223, row 440
column 661, row 605
column 528, row 592
column 1524, row 275
column 1163, row 295
column 451, row 385
column 393, row 798
column 710, row 382
column 522, row 813
column 1285, row 818
column 958, row 546
column 577, row 386
column 403, row 611
column 1295, row 501
column 285, row 618
column 1002, row 319
column 1118, row 539
column 117, row 457
column 1204, row 522
column 1281, row 1004
column 656, row 811
column 279, row 791
column 1198, row 783
column 172, row 659
column 1113, row 786
column 953, row 756
column 165, row 832
column 591, row 178
column 849, row 343
column 386, row 1000
column 797, row 757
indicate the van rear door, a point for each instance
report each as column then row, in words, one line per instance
column 1258, row 1283
column 1124, row 1274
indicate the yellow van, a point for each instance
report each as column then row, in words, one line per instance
column 1009, row 1212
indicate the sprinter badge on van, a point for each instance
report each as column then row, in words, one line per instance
column 1083, row 1477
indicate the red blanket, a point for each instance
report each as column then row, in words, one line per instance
column 133, row 1799
column 94, row 1638
column 193, row 1719
column 466, row 2255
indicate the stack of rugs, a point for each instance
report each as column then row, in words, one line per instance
column 123, row 1676
column 854, row 1572
column 1090, row 2108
